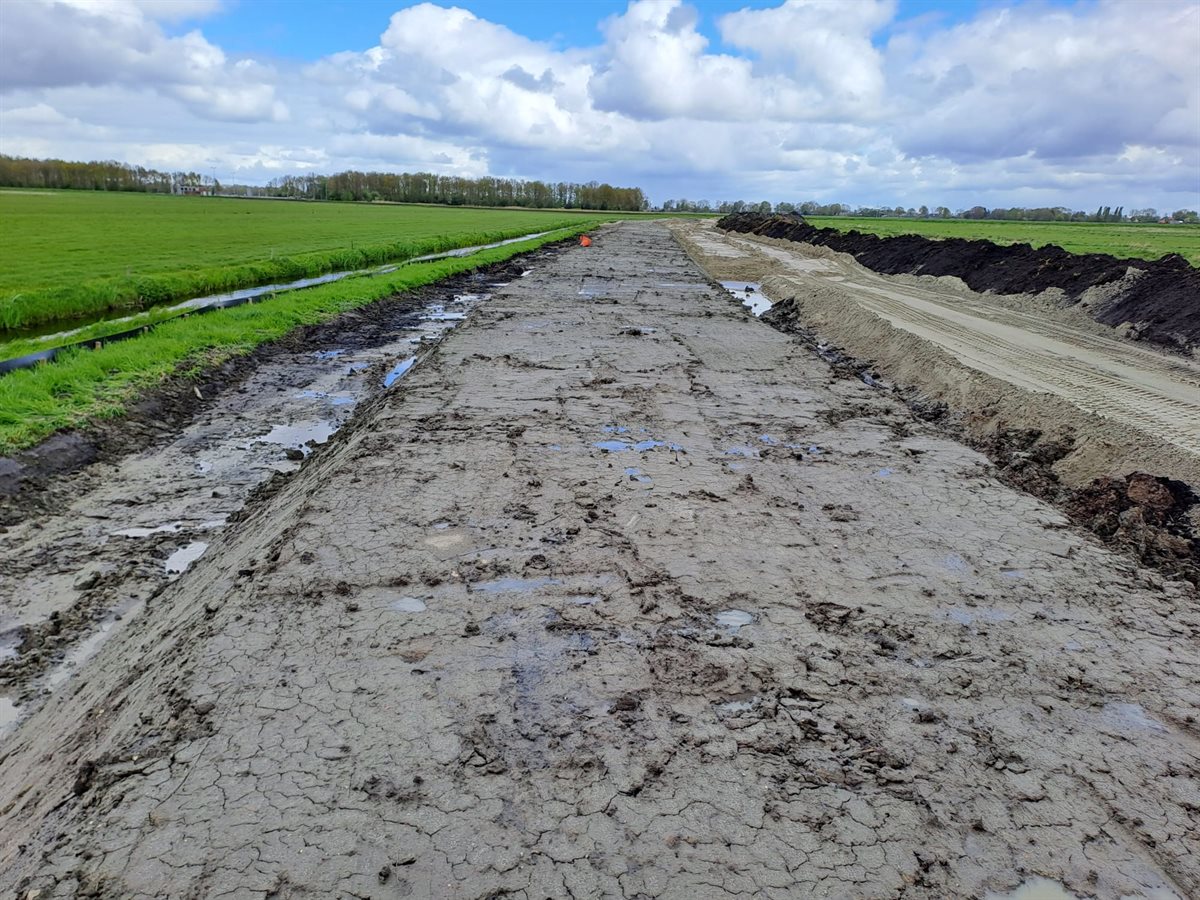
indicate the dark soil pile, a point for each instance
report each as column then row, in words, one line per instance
column 1161, row 300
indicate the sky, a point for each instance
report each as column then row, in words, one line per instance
column 874, row 102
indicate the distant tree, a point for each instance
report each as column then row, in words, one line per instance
column 923, row 211
column 1187, row 216
column 942, row 212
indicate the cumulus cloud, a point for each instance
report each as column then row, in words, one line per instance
column 46, row 44
column 809, row 98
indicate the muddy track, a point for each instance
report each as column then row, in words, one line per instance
column 619, row 593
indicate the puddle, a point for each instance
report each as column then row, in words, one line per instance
column 613, row 446
column 970, row 615
column 400, row 370
column 585, row 600
column 327, row 354
column 440, row 314
column 512, row 585
column 739, row 704
column 1013, row 573
column 1129, row 717
column 749, row 294
column 615, row 429
column 297, row 436
column 733, row 619
column 744, row 452
column 9, row 714
column 1036, row 888
column 169, row 528
column 179, row 561
column 884, row 472
column 342, row 398
column 955, row 563
column 636, row 475
column 408, row 604
column 89, row 646
column 767, row 439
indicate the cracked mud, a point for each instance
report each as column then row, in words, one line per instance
column 485, row 642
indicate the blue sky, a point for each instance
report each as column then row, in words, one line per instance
column 310, row 29
column 881, row 102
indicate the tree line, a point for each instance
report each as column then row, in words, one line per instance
column 109, row 175
column 416, row 187
column 451, row 190
column 1010, row 214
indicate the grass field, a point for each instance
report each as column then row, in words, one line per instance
column 78, row 254
column 83, row 385
column 1124, row 240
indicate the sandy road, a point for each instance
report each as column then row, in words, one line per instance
column 621, row 595
column 1100, row 374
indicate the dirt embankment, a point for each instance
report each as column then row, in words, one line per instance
column 1155, row 300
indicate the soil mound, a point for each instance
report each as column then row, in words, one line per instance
column 1160, row 298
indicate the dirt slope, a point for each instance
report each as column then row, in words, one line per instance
column 620, row 594
column 1159, row 299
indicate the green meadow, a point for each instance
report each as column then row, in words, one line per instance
column 82, row 254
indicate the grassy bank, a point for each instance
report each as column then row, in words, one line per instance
column 1121, row 240
column 75, row 254
column 84, row 385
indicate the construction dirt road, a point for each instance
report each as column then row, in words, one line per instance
column 620, row 593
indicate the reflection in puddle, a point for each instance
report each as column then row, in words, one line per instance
column 298, row 436
column 399, row 371
column 438, row 313
column 179, row 561
column 744, row 452
column 636, row 475
column 9, row 714
column 88, row 647
column 342, row 398
column 1129, row 717
column 509, row 585
column 733, row 619
column 169, row 528
column 585, row 600
column 749, row 294
column 640, row 446
column 1036, row 888
column 408, row 604
column 739, row 704
column 884, row 472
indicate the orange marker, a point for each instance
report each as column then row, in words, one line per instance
column 585, row 241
